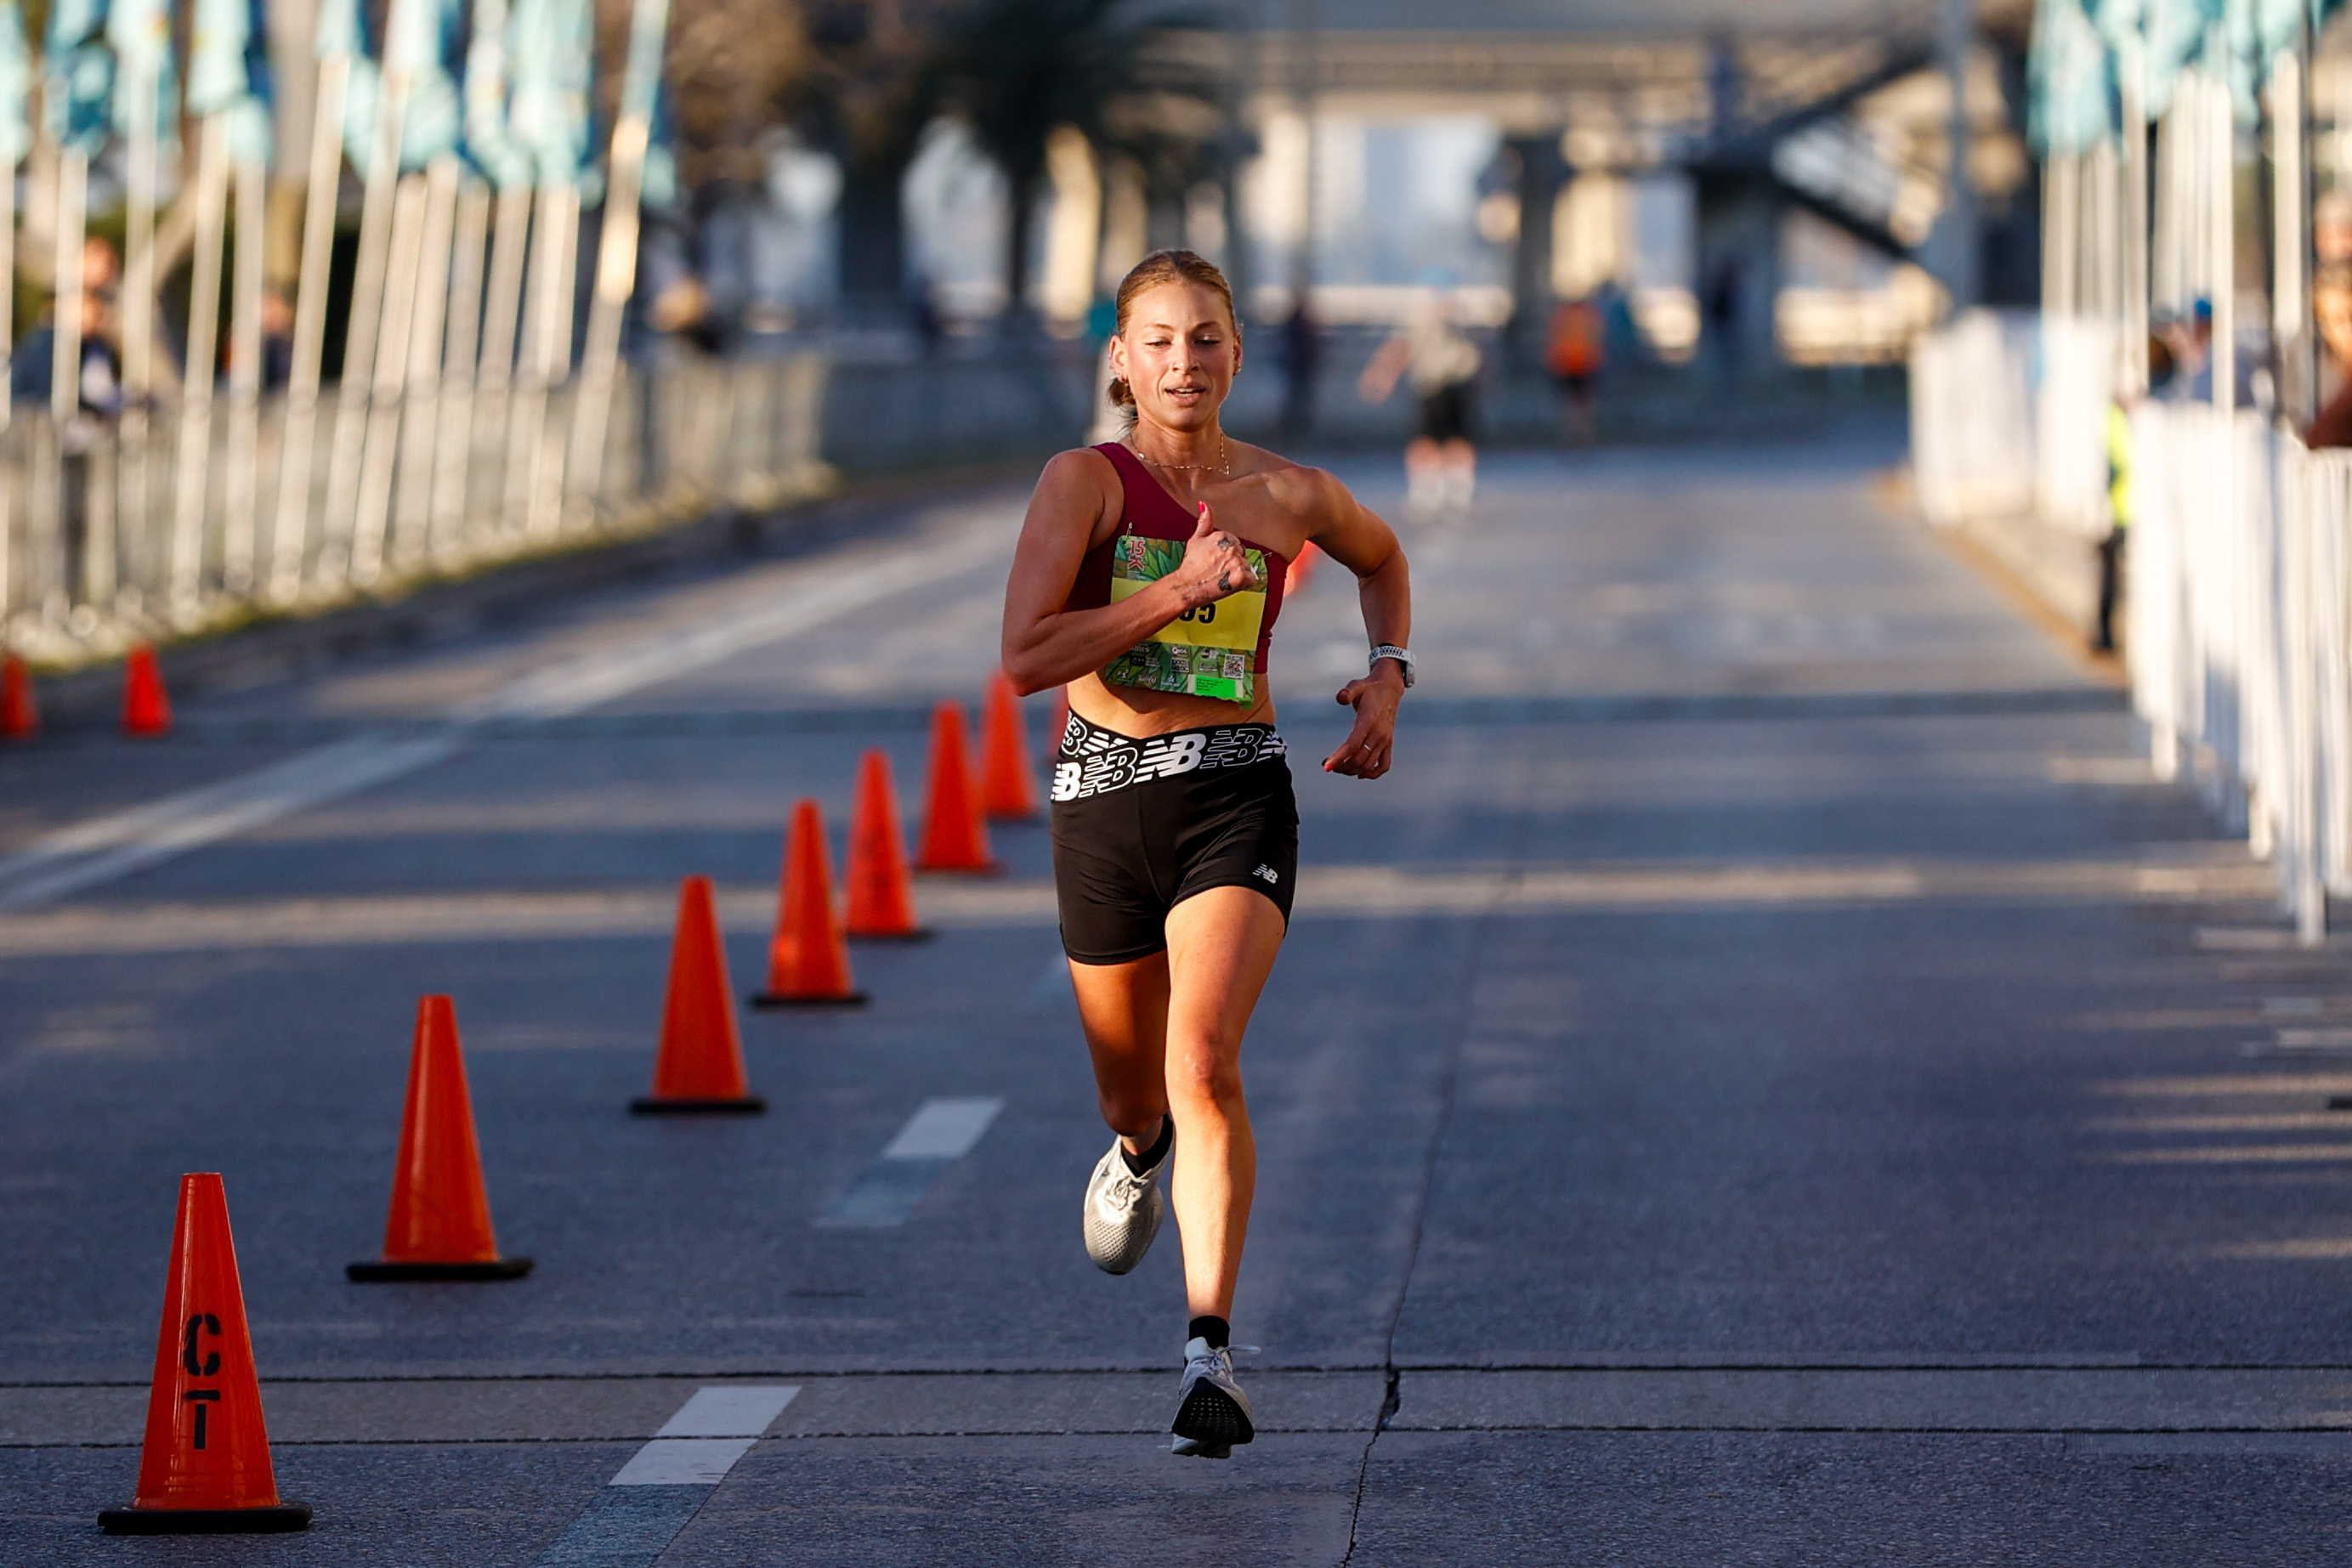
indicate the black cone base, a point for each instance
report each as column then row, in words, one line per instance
column 771, row 999
column 374, row 1272
column 749, row 1105
column 277, row 1520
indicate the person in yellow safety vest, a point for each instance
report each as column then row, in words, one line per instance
column 2119, row 515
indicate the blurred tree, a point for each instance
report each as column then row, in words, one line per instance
column 733, row 70
column 873, row 84
column 1016, row 69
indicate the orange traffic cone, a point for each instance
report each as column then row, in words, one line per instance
column 881, row 891
column 20, row 714
column 204, row 1469
column 700, row 1067
column 145, row 709
column 1302, row 567
column 1008, row 789
column 808, row 962
column 440, row 1223
column 955, row 836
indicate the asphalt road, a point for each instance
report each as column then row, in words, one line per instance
column 1769, row 1078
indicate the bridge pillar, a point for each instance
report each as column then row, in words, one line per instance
column 1739, row 216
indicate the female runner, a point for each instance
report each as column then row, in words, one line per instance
column 1148, row 578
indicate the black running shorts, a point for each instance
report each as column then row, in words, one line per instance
column 1140, row 825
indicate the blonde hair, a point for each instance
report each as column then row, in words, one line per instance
column 1166, row 266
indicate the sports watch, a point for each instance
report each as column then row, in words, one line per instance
column 1391, row 651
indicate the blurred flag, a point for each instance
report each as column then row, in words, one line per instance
column 229, row 72
column 79, row 72
column 548, row 108
column 2070, row 104
column 421, row 37
column 643, row 93
column 489, row 141
column 342, row 30
column 140, row 32
column 16, row 86
column 657, row 188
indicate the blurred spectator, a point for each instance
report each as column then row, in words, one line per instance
column 1441, row 464
column 1302, row 358
column 2192, row 342
column 1720, row 301
column 1576, row 349
column 32, row 368
column 2120, row 504
column 2331, row 308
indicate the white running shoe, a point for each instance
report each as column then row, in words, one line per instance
column 1212, row 1413
column 1123, row 1210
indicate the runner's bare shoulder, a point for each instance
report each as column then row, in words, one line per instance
column 1080, row 482
column 1314, row 496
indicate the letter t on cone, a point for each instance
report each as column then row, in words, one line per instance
column 146, row 711
column 808, row 962
column 700, row 1068
column 955, row 837
column 204, row 1469
column 1008, row 789
column 20, row 711
column 440, row 1223
column 881, row 891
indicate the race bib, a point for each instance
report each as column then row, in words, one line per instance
column 1206, row 652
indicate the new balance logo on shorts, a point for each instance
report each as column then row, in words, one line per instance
column 1095, row 761
column 1268, row 872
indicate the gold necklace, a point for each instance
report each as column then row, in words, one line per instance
column 1223, row 464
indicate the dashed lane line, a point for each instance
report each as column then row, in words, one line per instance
column 941, row 1132
column 87, row 854
column 665, row 1484
column 1325, row 893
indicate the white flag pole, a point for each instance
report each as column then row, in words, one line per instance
column 367, row 297
column 453, row 449
column 241, row 484
column 390, row 365
column 419, row 422
column 616, row 250
column 290, row 540
column 190, row 483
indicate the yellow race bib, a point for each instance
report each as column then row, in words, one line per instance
column 1208, row 651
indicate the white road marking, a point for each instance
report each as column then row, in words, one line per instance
column 146, row 835
column 1325, row 893
column 120, row 843
column 728, row 1412
column 944, row 1129
column 683, row 1462
column 625, row 1527
column 941, row 1131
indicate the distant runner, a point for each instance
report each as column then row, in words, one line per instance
column 1148, row 580
column 1441, row 461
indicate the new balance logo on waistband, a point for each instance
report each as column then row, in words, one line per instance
column 1095, row 761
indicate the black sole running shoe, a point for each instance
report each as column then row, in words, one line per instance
column 1213, row 1414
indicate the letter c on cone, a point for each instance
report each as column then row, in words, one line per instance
column 700, row 1067
column 440, row 1223
column 205, row 1468
column 955, row 835
column 146, row 710
column 808, row 962
column 1008, row 788
column 881, row 890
